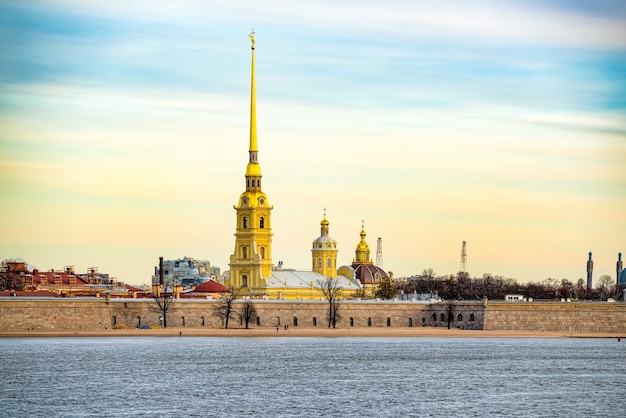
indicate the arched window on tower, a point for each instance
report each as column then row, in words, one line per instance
column 328, row 263
column 262, row 222
column 245, row 222
column 244, row 281
column 252, row 182
column 244, row 252
column 263, row 253
column 319, row 262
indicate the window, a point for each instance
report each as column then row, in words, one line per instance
column 328, row 263
column 244, row 281
column 244, row 251
column 388, row 322
column 182, row 321
column 278, row 321
column 472, row 318
column 253, row 183
column 351, row 322
column 314, row 321
column 319, row 262
column 423, row 321
column 202, row 320
column 263, row 253
column 319, row 245
column 245, row 222
column 262, row 222
column 443, row 317
column 258, row 321
column 410, row 322
column 138, row 321
column 369, row 322
column 114, row 320
column 295, row 321
column 459, row 317
column 434, row 317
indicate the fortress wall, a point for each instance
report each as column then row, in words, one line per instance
column 556, row 316
column 20, row 314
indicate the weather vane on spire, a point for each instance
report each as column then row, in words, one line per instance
column 251, row 35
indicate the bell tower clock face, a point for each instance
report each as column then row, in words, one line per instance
column 261, row 201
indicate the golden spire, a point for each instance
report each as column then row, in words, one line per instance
column 253, row 171
column 253, row 141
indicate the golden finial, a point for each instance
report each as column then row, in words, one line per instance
column 251, row 35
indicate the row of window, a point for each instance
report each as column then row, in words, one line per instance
column 329, row 262
column 261, row 222
column 459, row 317
column 244, row 252
column 442, row 317
column 255, row 183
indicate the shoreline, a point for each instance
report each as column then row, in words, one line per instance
column 422, row 332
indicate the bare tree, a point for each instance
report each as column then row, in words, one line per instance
column 162, row 303
column 605, row 286
column 248, row 313
column 225, row 306
column 332, row 293
column 386, row 289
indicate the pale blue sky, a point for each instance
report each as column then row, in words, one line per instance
column 124, row 132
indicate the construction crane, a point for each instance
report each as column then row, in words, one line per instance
column 379, row 252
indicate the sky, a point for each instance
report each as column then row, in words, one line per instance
column 124, row 132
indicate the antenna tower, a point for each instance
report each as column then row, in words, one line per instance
column 379, row 252
column 463, row 257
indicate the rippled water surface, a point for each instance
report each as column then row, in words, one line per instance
column 208, row 376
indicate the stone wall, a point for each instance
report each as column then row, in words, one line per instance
column 19, row 314
column 556, row 316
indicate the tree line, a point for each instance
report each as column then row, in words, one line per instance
column 463, row 287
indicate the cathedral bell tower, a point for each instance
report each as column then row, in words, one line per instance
column 252, row 258
column 324, row 252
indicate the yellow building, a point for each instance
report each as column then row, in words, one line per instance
column 324, row 252
column 252, row 257
column 251, row 268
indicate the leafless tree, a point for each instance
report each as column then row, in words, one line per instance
column 162, row 303
column 386, row 289
column 248, row 313
column 605, row 286
column 332, row 293
column 225, row 306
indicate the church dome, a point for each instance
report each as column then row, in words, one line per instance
column 211, row 287
column 324, row 241
column 368, row 274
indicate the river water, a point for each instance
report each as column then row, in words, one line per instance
column 290, row 376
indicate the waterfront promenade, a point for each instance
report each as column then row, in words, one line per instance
column 267, row 332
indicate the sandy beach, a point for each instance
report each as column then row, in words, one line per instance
column 310, row 332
